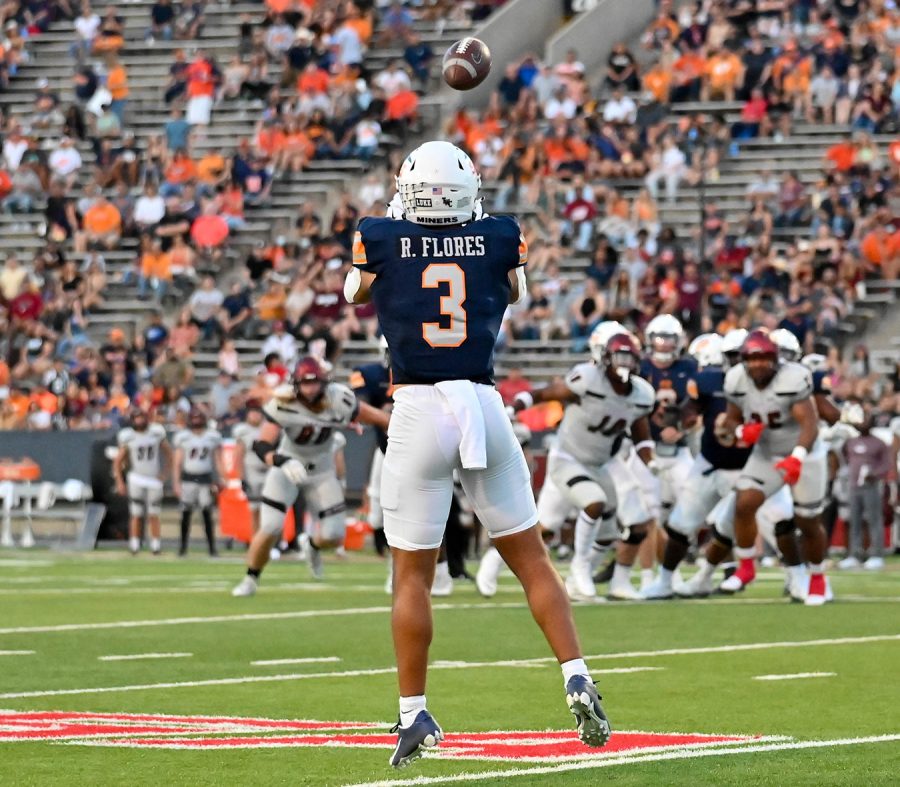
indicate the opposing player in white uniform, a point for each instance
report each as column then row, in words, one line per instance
column 195, row 472
column 605, row 401
column 771, row 407
column 253, row 469
column 296, row 445
column 143, row 448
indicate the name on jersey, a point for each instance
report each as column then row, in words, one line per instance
column 468, row 246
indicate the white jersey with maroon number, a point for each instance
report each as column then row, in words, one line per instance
column 143, row 449
column 199, row 450
column 307, row 434
column 247, row 435
column 771, row 405
column 593, row 428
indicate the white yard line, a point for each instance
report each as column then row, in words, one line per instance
column 796, row 676
column 308, row 613
column 16, row 652
column 583, row 765
column 279, row 662
column 139, row 656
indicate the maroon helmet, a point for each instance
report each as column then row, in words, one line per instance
column 760, row 346
column 622, row 356
column 309, row 370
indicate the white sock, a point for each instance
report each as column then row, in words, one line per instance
column 646, row 575
column 665, row 577
column 743, row 553
column 134, row 544
column 410, row 707
column 155, row 545
column 598, row 552
column 797, row 571
column 816, row 568
column 585, row 527
column 572, row 668
column 621, row 575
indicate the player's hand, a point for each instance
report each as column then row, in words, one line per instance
column 790, row 468
column 356, row 426
column 671, row 435
column 522, row 401
column 295, row 471
column 749, row 434
column 723, row 431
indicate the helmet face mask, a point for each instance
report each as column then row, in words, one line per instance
column 665, row 340
column 438, row 185
column 309, row 380
column 622, row 357
column 759, row 354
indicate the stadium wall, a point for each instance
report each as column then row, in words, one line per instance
column 593, row 33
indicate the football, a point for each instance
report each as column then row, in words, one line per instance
column 467, row 63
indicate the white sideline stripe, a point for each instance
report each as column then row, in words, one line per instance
column 308, row 613
column 683, row 754
column 136, row 656
column 278, row 662
column 16, row 652
column 796, row 676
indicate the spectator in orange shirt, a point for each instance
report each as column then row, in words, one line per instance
column 658, row 81
column 687, row 75
column 842, row 155
column 313, row 79
column 180, row 171
column 102, row 224
column 880, row 251
column 722, row 75
column 298, row 150
column 156, row 271
column 117, row 85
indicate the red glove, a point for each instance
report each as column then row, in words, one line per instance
column 750, row 433
column 790, row 468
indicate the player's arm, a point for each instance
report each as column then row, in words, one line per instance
column 518, row 287
column 643, row 443
column 827, row 409
column 239, row 454
column 555, row 392
column 372, row 416
column 264, row 445
column 358, row 285
column 177, row 460
column 119, row 469
column 340, row 466
column 727, row 424
column 219, row 462
column 804, row 413
column 168, row 463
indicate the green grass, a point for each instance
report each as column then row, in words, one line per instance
column 699, row 692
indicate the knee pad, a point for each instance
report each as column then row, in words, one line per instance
column 680, row 538
column 635, row 536
column 723, row 540
column 271, row 516
column 784, row 528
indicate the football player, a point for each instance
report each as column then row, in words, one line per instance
column 144, row 449
column 441, row 278
column 605, row 401
column 197, row 466
column 303, row 414
column 253, row 469
column 771, row 408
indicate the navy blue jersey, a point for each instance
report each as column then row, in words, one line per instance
column 372, row 384
column 821, row 383
column 707, row 389
column 671, row 390
column 440, row 294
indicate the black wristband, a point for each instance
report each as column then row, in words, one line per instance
column 279, row 459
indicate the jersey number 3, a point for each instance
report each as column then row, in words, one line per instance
column 435, row 275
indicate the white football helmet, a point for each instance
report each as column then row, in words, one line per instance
column 853, row 413
column 815, row 362
column 788, row 346
column 601, row 335
column 731, row 346
column 665, row 339
column 438, row 184
column 706, row 350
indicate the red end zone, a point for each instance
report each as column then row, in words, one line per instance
column 222, row 732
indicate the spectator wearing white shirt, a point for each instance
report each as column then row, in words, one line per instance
column 349, row 48
column 279, row 38
column 282, row 343
column 149, row 208
column 65, row 161
column 561, row 104
column 204, row 307
column 668, row 165
column 14, row 146
column 86, row 26
column 393, row 80
column 620, row 108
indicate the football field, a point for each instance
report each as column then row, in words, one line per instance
column 120, row 670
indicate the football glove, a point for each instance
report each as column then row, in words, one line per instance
column 790, row 468
column 749, row 434
column 295, row 471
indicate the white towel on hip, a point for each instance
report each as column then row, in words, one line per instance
column 465, row 405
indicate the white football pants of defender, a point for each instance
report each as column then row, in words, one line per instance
column 701, row 491
column 673, row 474
column 809, row 491
column 637, row 489
column 324, row 498
column 583, row 486
column 424, row 444
column 194, row 495
column 145, row 494
column 553, row 507
column 777, row 508
column 373, row 490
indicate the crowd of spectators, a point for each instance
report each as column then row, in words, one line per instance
column 151, row 217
